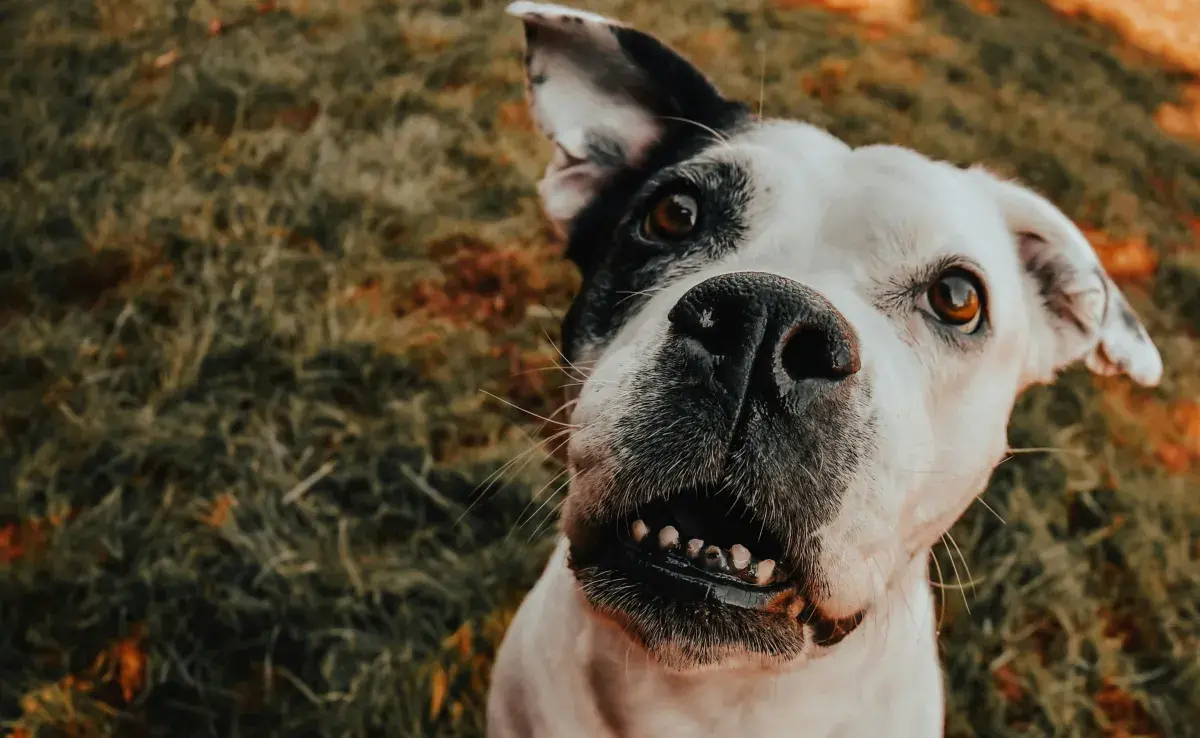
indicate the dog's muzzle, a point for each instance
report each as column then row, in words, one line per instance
column 743, row 351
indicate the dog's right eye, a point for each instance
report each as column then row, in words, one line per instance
column 672, row 217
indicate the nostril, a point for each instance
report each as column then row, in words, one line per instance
column 813, row 353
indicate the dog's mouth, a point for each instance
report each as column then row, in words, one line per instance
column 696, row 545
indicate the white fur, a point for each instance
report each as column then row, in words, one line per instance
column 846, row 223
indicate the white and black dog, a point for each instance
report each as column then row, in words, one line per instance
column 801, row 362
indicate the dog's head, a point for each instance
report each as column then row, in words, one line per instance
column 800, row 357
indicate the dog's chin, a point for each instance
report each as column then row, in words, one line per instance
column 700, row 582
column 690, row 630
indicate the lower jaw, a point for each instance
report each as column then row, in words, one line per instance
column 668, row 609
column 684, row 632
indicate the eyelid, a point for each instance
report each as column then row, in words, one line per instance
column 954, row 263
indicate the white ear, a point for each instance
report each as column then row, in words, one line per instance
column 604, row 94
column 1087, row 316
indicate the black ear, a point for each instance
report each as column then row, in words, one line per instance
column 605, row 94
column 1086, row 316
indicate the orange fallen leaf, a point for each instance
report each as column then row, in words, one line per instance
column 1172, row 431
column 438, row 687
column 1125, row 714
column 890, row 13
column 10, row 548
column 1173, row 457
column 164, row 60
column 1126, row 260
column 1166, row 28
column 218, row 512
column 1008, row 684
column 1187, row 419
column 131, row 667
column 514, row 115
column 1177, row 121
column 215, row 27
column 18, row 540
column 461, row 640
column 123, row 663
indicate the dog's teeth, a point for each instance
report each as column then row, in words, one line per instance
column 715, row 559
column 693, row 547
column 668, row 538
column 740, row 555
column 765, row 572
column 640, row 531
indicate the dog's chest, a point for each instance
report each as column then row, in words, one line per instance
column 903, row 705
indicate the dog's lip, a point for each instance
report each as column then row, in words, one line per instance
column 676, row 572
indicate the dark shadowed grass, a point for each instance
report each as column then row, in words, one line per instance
column 260, row 280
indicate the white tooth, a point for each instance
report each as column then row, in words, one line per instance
column 668, row 537
column 714, row 558
column 694, row 546
column 640, row 531
column 766, row 571
column 741, row 556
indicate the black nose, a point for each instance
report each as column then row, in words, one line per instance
column 762, row 334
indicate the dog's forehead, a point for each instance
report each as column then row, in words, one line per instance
column 881, row 207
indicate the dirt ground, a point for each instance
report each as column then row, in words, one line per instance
column 269, row 275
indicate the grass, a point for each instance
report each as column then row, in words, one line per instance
column 263, row 269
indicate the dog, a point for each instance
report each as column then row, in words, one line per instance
column 800, row 359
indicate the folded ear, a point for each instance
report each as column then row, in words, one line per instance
column 1086, row 316
column 604, row 94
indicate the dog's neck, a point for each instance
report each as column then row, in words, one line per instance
column 626, row 693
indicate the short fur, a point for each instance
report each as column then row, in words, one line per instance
column 859, row 483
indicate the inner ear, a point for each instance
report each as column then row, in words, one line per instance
column 1083, row 314
column 605, row 95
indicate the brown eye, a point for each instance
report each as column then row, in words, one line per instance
column 955, row 298
column 673, row 217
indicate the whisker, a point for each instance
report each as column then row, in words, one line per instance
column 941, row 598
column 957, row 577
column 495, row 476
column 1046, row 450
column 564, row 356
column 533, row 499
column 966, row 568
column 990, row 509
column 720, row 137
column 528, row 412
column 630, row 294
column 762, row 77
column 553, row 511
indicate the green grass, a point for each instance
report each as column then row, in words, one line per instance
column 257, row 286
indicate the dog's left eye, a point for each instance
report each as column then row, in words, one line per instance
column 672, row 217
column 956, row 299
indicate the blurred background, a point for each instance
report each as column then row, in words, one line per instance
column 277, row 308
